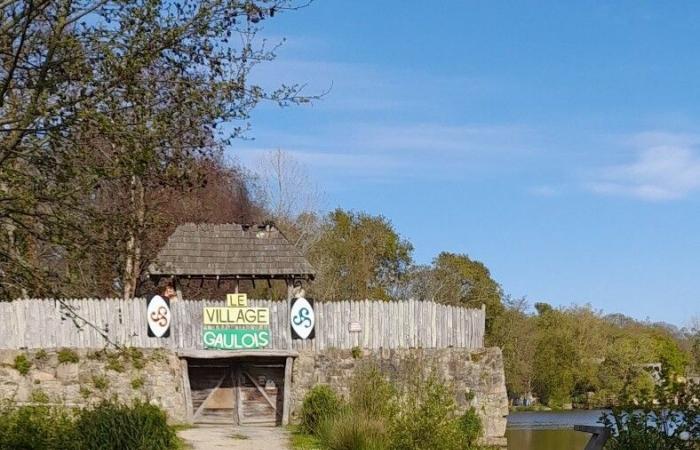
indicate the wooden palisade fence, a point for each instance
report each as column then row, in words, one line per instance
column 45, row 323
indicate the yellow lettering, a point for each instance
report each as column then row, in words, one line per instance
column 236, row 300
column 236, row 316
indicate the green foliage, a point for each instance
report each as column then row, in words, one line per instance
column 422, row 415
column 137, row 383
column 470, row 426
column 428, row 419
column 320, row 403
column 358, row 256
column 139, row 426
column 36, row 427
column 349, row 430
column 38, row 396
column 100, row 382
column 68, row 356
column 115, row 363
column 667, row 419
column 356, row 352
column 372, row 395
column 22, row 364
column 41, row 355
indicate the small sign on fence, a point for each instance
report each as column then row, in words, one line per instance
column 355, row 327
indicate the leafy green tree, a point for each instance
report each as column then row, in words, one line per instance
column 105, row 99
column 358, row 256
column 514, row 332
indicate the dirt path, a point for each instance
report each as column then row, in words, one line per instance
column 204, row 437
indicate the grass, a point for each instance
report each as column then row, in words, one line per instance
column 68, row 356
column 302, row 441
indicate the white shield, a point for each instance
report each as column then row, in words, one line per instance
column 302, row 318
column 159, row 316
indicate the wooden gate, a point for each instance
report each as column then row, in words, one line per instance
column 238, row 392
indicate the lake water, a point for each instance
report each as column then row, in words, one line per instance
column 549, row 430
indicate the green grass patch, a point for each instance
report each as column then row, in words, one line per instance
column 303, row 441
column 68, row 356
column 22, row 364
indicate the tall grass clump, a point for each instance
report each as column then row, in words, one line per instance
column 36, row 427
column 113, row 426
column 379, row 416
column 320, row 403
column 108, row 426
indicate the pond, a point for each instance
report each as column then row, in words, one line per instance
column 549, row 430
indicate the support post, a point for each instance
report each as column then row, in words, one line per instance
column 287, row 395
column 189, row 417
column 178, row 288
column 600, row 436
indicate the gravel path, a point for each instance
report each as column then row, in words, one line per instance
column 205, row 437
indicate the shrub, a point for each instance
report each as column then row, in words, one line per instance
column 356, row 352
column 320, row 403
column 110, row 425
column 371, row 394
column 36, row 427
column 470, row 427
column 67, row 356
column 667, row 420
column 427, row 419
column 351, row 431
column 22, row 364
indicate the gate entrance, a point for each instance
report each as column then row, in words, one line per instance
column 237, row 391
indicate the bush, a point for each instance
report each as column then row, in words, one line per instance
column 36, row 428
column 109, row 426
column 22, row 364
column 351, row 431
column 320, row 403
column 669, row 419
column 67, row 356
column 427, row 419
column 371, row 394
column 470, row 427
column 140, row 426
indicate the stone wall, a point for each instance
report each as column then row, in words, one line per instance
column 86, row 377
column 476, row 376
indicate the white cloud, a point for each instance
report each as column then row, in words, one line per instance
column 666, row 167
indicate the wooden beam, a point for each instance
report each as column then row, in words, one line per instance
column 201, row 407
column 287, row 390
column 188, row 390
column 600, row 436
column 262, row 391
column 210, row 354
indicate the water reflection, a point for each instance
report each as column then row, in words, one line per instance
column 548, row 430
column 546, row 439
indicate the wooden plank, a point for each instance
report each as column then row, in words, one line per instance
column 287, row 389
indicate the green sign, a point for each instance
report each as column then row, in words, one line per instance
column 235, row 339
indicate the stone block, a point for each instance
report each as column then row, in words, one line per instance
column 68, row 373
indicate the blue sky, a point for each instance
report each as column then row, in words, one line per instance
column 557, row 142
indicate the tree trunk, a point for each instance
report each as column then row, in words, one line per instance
column 132, row 265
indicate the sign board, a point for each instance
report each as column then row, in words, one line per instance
column 158, row 317
column 302, row 319
column 236, row 338
column 236, row 316
column 355, row 327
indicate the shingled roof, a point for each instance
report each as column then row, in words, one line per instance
column 230, row 251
